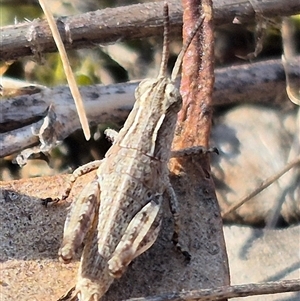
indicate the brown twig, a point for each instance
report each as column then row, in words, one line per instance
column 192, row 176
column 198, row 71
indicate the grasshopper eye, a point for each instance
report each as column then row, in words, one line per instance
column 173, row 98
column 172, row 92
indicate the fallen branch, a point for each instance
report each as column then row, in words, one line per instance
column 134, row 22
column 262, row 82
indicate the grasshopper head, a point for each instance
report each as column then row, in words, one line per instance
column 158, row 96
column 172, row 98
column 153, row 118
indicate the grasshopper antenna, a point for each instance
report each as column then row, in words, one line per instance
column 179, row 60
column 166, row 51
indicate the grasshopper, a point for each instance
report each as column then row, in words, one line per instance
column 119, row 213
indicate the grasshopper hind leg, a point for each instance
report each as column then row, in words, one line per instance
column 139, row 236
column 174, row 208
column 79, row 220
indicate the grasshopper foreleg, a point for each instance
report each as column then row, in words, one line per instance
column 78, row 172
column 81, row 170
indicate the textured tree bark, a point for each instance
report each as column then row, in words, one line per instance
column 134, row 22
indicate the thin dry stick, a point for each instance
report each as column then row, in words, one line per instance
column 68, row 71
column 230, row 291
column 263, row 185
